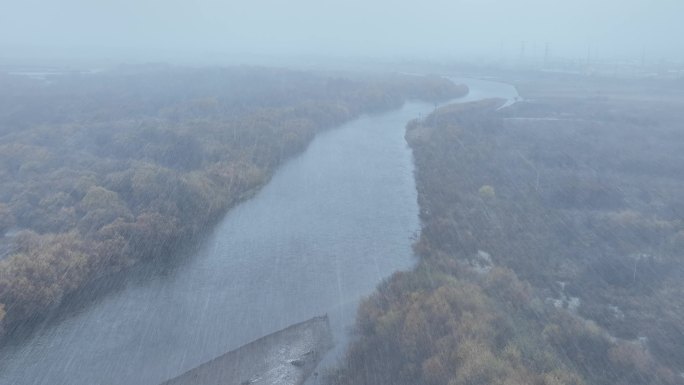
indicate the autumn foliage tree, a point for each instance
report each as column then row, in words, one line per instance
column 104, row 171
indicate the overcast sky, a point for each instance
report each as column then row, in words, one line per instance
column 347, row 27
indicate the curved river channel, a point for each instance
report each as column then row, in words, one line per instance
column 329, row 226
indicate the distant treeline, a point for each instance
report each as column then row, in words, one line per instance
column 550, row 253
column 101, row 171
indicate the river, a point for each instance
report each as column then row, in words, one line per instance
column 328, row 227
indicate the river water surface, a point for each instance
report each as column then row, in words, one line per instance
column 329, row 226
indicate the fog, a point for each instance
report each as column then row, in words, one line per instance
column 130, row 30
column 456, row 192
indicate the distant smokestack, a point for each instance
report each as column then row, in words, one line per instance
column 522, row 49
column 547, row 54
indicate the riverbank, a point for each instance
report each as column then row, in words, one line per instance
column 543, row 250
column 286, row 357
column 109, row 174
column 328, row 224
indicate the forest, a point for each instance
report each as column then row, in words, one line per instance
column 102, row 171
column 551, row 245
